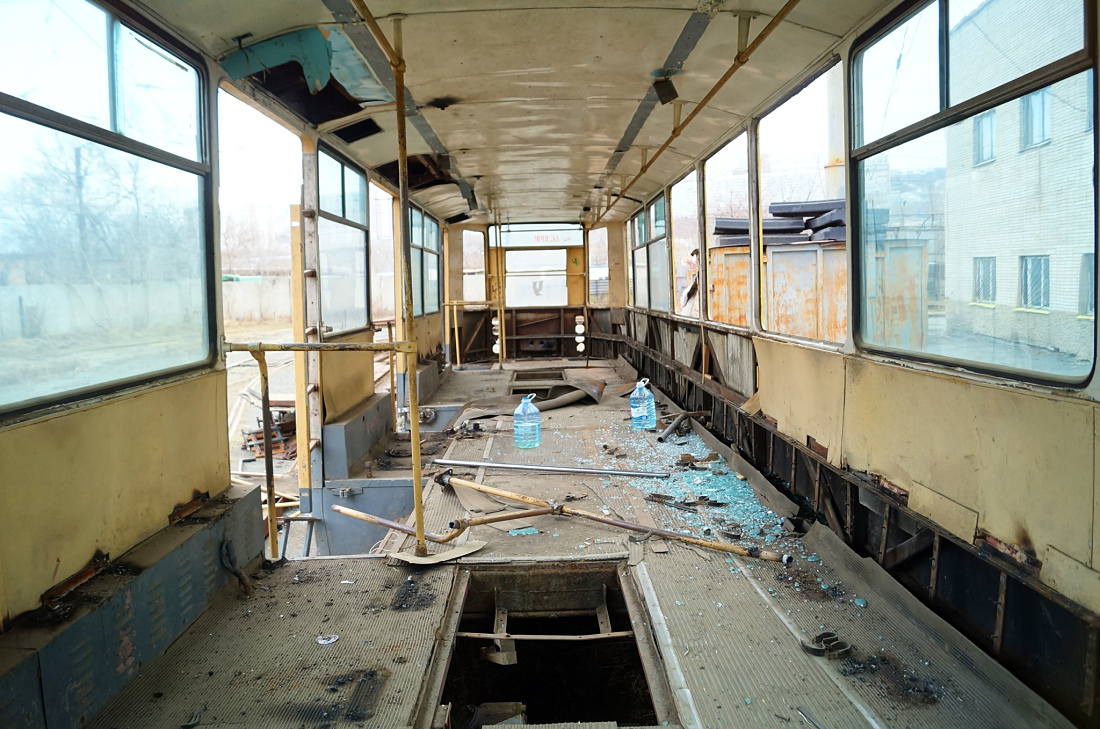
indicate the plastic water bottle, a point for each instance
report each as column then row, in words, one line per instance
column 527, row 423
column 643, row 410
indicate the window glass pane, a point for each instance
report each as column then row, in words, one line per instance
column 726, row 187
column 657, row 217
column 1087, row 294
column 537, row 235
column 641, row 279
column 599, row 281
column 684, row 200
column 658, row 275
column 641, row 234
column 417, row 262
column 158, row 96
column 382, row 294
column 473, row 266
column 899, row 75
column 431, row 283
column 355, row 196
column 992, row 42
column 55, row 55
column 329, row 174
column 343, row 275
column 433, row 239
column 804, row 278
column 104, row 266
column 416, row 229
column 927, row 214
column 535, row 278
column 985, row 127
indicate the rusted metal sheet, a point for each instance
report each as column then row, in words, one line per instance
column 729, row 285
column 896, row 285
column 805, row 290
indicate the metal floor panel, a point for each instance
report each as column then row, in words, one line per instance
column 256, row 662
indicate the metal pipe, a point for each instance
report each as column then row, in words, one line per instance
column 457, row 527
column 393, row 379
column 404, row 346
column 550, row 469
column 754, row 551
column 676, row 422
column 466, row 523
column 269, row 465
column 741, row 60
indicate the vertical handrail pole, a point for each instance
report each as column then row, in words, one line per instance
column 458, row 340
column 447, row 332
column 406, row 276
column 269, row 465
column 393, row 380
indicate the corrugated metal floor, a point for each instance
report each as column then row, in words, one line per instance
column 257, row 663
column 729, row 629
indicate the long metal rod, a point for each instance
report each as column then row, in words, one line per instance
column 741, row 60
column 550, row 469
column 458, row 526
column 269, row 465
column 405, row 346
column 754, row 551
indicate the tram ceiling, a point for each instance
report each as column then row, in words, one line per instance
column 532, row 104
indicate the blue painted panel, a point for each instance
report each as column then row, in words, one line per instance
column 389, row 498
column 20, row 695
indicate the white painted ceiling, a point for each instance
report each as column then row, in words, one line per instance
column 543, row 90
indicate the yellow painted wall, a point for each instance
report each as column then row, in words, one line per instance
column 616, row 264
column 347, row 378
column 576, row 276
column 104, row 477
column 1019, row 465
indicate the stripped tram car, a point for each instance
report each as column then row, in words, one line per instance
column 859, row 234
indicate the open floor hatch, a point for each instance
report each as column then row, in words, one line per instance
column 552, row 643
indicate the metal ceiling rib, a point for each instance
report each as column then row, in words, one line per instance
column 344, row 12
column 685, row 44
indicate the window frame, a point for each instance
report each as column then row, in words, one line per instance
column 1066, row 67
column 1027, row 117
column 1043, row 261
column 980, row 278
column 701, row 244
column 345, row 165
column 426, row 251
column 201, row 167
column 642, row 217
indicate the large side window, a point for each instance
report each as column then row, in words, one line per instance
column 684, row 211
column 473, row 265
column 804, row 272
column 342, row 236
column 659, row 284
column 382, row 296
column 536, row 261
column 599, row 279
column 729, row 271
column 105, row 257
column 939, row 277
column 427, row 245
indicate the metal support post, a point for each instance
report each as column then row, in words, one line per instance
column 269, row 466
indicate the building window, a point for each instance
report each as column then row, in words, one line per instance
column 983, row 137
column 985, row 280
column 106, row 258
column 1088, row 285
column 342, row 239
column 1035, row 282
column 926, row 226
column 1036, row 117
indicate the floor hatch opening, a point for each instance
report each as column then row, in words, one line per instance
column 552, row 644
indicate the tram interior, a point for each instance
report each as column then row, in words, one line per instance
column 847, row 247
